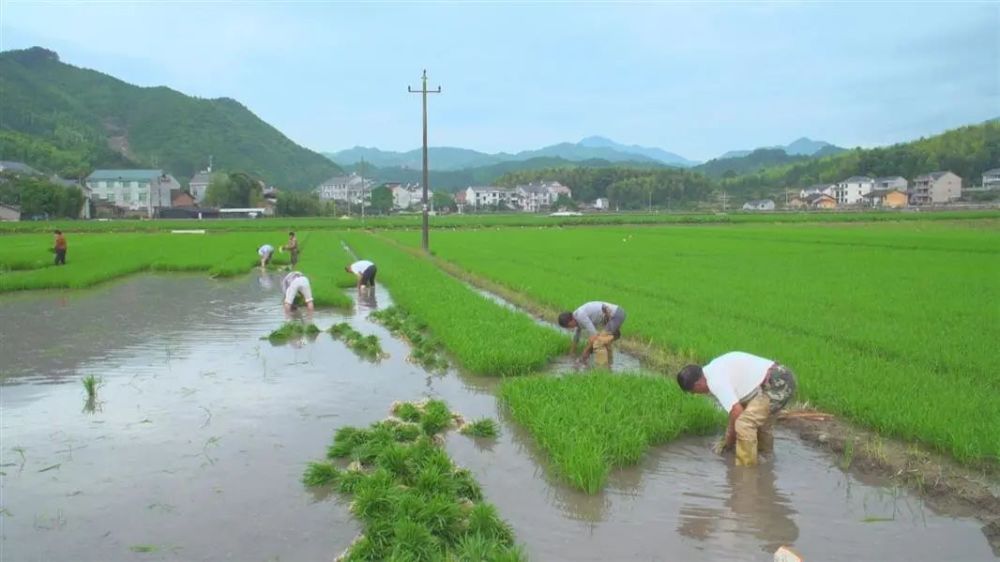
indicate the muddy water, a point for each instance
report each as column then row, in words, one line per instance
column 198, row 439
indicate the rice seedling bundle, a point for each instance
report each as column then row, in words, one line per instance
column 412, row 501
column 365, row 346
column 426, row 350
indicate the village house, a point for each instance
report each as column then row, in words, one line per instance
column 852, row 190
column 759, row 205
column 406, row 196
column 9, row 212
column 132, row 189
column 602, row 204
column 936, row 188
column 182, row 199
column 460, row 200
column 18, row 168
column 824, row 188
column 887, row 198
column 820, row 201
column 489, row 196
column 991, row 179
column 198, row 186
column 898, row 183
column 348, row 188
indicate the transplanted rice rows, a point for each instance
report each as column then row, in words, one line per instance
column 894, row 326
column 26, row 260
column 590, row 424
column 484, row 337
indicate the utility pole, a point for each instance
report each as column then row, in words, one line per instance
column 423, row 91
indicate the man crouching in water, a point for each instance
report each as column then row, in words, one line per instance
column 294, row 285
column 752, row 389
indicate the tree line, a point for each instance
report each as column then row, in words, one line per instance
column 39, row 197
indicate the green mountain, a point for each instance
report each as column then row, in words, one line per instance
column 70, row 120
column 453, row 180
column 751, row 162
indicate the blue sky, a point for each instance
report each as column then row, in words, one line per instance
column 696, row 79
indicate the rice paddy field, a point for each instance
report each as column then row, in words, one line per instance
column 894, row 326
column 496, row 448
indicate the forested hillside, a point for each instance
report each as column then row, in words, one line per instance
column 68, row 120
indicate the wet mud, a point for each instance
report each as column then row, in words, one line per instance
column 195, row 445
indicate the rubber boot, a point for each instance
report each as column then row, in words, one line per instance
column 746, row 452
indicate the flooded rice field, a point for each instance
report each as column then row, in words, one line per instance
column 196, row 443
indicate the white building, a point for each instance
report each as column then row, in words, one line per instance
column 409, row 195
column 759, row 205
column 852, row 190
column 991, row 179
column 936, row 188
column 198, row 186
column 482, row 197
column 346, row 188
column 890, row 183
column 602, row 204
column 132, row 189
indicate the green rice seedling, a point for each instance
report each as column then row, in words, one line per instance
column 321, row 474
column 292, row 331
column 436, row 417
column 407, row 411
column 486, row 522
column 410, row 499
column 466, row 485
column 90, row 384
column 414, row 542
column 365, row 346
column 484, row 427
column 592, row 423
column 144, row 548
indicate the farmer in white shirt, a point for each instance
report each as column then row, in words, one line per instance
column 293, row 285
column 752, row 389
column 602, row 321
column 265, row 252
column 365, row 271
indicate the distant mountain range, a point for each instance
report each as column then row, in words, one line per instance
column 449, row 158
column 68, row 120
column 799, row 147
column 445, row 158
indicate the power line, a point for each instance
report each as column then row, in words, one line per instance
column 423, row 91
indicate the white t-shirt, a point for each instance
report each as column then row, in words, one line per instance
column 591, row 314
column 359, row 267
column 294, row 283
column 265, row 250
column 733, row 376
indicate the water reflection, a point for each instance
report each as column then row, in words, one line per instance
column 752, row 505
column 265, row 281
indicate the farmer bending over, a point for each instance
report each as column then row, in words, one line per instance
column 365, row 271
column 603, row 322
column 292, row 247
column 293, row 285
column 265, row 252
column 752, row 389
column 59, row 248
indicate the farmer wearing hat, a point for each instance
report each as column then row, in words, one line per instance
column 752, row 389
column 603, row 322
